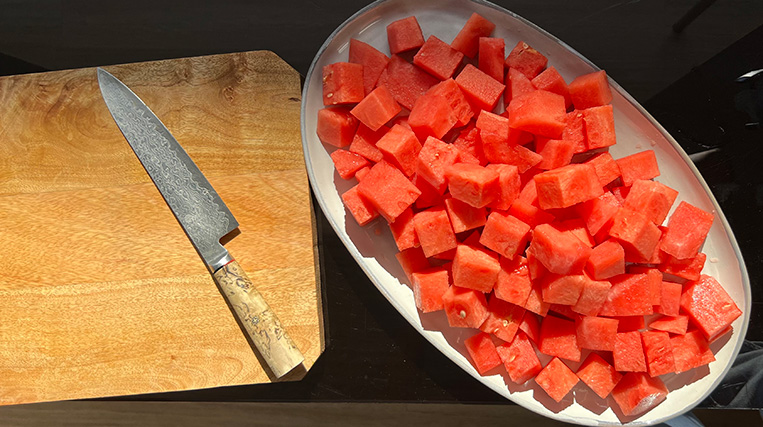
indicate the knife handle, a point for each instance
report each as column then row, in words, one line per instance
column 258, row 319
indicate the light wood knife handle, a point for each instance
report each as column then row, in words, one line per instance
column 258, row 319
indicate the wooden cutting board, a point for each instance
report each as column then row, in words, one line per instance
column 101, row 292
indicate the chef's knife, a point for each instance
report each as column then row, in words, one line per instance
column 204, row 217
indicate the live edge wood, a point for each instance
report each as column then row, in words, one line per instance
column 118, row 301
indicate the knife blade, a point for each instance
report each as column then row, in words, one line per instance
column 203, row 216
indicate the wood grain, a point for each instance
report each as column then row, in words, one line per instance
column 101, row 292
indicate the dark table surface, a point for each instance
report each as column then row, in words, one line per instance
column 685, row 80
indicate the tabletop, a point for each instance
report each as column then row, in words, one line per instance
column 687, row 80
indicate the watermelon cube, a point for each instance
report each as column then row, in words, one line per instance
column 428, row 288
column 550, row 80
column 465, row 308
column 519, row 358
column 361, row 209
column 637, row 393
column 598, row 212
column 599, row 127
column 503, row 319
column 592, row 297
column 628, row 296
column 517, row 84
column 635, row 232
column 596, row 333
column 434, row 230
column 364, row 143
column 642, row 165
column 403, row 231
column 475, row 268
column 362, row 172
column 405, row 81
column 628, row 354
column 599, row 375
column 505, row 234
column 377, row 108
column 670, row 298
column 450, row 90
column 482, row 351
column 659, row 353
column 498, row 151
column 687, row 230
column 347, row 163
column 558, row 337
column 605, row 166
column 651, row 198
column 555, row 152
column 476, row 185
column 429, row 195
column 590, row 90
column 535, row 301
column 688, row 269
column 709, row 307
column 412, row 260
column 562, row 289
column 531, row 326
column 630, row 323
column 509, row 183
column 401, row 148
column 673, row 324
column 481, row 90
column 373, row 62
column 606, row 260
column 529, row 214
column 566, row 186
column 526, row 60
column 467, row 40
column 513, row 284
column 556, row 379
column 560, row 252
column 539, row 112
column 342, row 83
column 437, row 58
column 574, row 131
column 690, row 351
column 434, row 158
column 404, row 35
column 388, row 190
column 463, row 216
column 336, row 126
column 469, row 145
column 491, row 54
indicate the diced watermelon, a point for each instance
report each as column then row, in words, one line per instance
column 429, row 195
column 513, row 284
column 469, row 146
column 590, row 90
column 405, row 81
column 342, row 83
column 494, row 134
column 529, row 214
column 436, row 156
column 517, row 84
column 526, row 60
column 362, row 172
column 629, row 352
column 364, row 143
column 373, row 62
column 463, row 216
column 505, row 234
column 481, row 90
column 535, row 301
column 503, row 319
column 564, row 311
column 437, row 58
column 509, row 183
column 520, row 359
column 642, row 165
column 465, row 308
column 599, row 375
column 431, row 116
column 562, row 289
column 400, row 148
column 555, row 152
column 653, row 281
column 558, row 337
column 605, row 166
column 566, row 186
column 491, row 54
column 659, row 353
column 336, row 126
column 434, row 230
column 635, row 232
column 599, row 127
column 403, row 231
column 552, row 81
column 637, row 393
column 687, row 229
column 377, row 108
column 347, row 163
column 606, row 260
column 539, row 112
column 560, row 252
column 404, row 35
column 498, row 151
column 450, row 90
column 592, row 297
column 475, row 268
column 473, row 184
column 673, row 324
column 412, row 260
column 690, row 351
column 556, row 379
column 428, row 288
column 651, row 198
column 467, row 40
column 628, row 296
column 688, row 269
column 361, row 209
column 620, row 192
column 670, row 298
column 596, row 333
column 709, row 306
column 598, row 212
column 482, row 351
column 531, row 326
column 388, row 190
column 630, row 323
